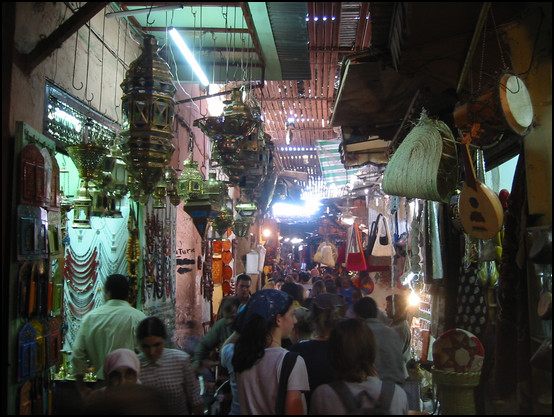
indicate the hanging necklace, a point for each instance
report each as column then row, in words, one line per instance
column 133, row 247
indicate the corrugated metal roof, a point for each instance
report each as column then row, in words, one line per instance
column 290, row 32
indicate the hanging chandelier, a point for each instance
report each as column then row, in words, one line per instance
column 89, row 157
column 226, row 130
column 147, row 104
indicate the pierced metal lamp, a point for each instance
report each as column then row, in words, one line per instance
column 191, row 181
column 147, row 104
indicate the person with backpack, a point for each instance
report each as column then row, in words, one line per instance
column 357, row 390
column 270, row 380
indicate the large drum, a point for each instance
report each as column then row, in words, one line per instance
column 504, row 108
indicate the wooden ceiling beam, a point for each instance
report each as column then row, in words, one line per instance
column 43, row 49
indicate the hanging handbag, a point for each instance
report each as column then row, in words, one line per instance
column 379, row 251
column 355, row 257
column 372, row 235
column 381, row 246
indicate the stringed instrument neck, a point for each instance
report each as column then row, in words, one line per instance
column 470, row 177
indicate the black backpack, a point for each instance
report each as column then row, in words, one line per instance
column 354, row 404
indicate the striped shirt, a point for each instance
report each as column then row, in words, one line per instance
column 174, row 376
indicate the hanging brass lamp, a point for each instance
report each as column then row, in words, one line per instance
column 82, row 208
column 215, row 190
column 147, row 104
column 223, row 221
column 191, row 181
column 172, row 183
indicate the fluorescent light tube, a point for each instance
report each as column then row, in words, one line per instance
column 189, row 56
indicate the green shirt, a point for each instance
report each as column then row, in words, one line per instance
column 215, row 337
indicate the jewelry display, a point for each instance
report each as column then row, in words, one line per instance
column 157, row 258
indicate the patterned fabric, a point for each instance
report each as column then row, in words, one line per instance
column 264, row 303
column 174, row 376
column 472, row 305
column 104, row 329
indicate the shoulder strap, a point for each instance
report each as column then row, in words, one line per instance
column 387, row 392
column 350, row 402
column 286, row 368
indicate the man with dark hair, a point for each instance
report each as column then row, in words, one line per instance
column 244, row 281
column 389, row 361
column 104, row 329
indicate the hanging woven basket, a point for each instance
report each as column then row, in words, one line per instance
column 425, row 165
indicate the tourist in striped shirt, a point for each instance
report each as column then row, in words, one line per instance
column 169, row 370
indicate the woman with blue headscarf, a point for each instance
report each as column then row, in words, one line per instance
column 266, row 319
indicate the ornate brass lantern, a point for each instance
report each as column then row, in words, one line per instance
column 89, row 159
column 191, row 182
column 82, row 205
column 172, row 184
column 223, row 221
column 226, row 130
column 148, row 102
column 215, row 190
column 159, row 194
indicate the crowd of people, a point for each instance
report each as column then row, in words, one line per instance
column 306, row 343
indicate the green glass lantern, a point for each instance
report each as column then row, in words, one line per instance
column 246, row 209
column 223, row 221
column 215, row 190
column 82, row 207
column 241, row 226
column 191, row 182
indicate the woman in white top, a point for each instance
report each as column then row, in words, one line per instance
column 352, row 354
column 267, row 318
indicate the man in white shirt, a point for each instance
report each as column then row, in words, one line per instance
column 106, row 328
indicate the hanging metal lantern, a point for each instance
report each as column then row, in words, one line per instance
column 241, row 226
column 236, row 122
column 172, row 184
column 147, row 104
column 223, row 221
column 191, row 182
column 215, row 190
column 82, row 205
column 159, row 195
column 246, row 209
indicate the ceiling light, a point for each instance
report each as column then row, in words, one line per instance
column 189, row 56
